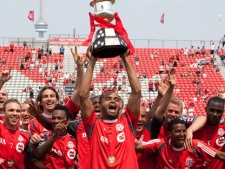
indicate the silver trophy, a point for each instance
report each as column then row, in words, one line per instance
column 107, row 43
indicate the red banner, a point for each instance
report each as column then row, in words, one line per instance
column 66, row 41
column 31, row 16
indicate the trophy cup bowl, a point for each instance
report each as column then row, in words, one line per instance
column 107, row 42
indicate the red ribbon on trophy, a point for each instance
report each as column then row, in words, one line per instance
column 102, row 23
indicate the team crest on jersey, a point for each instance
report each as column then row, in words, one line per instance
column 70, row 144
column 189, row 162
column 119, row 127
column 121, row 137
column 20, row 138
column 220, row 141
column 19, row 147
column 220, row 132
column 71, row 154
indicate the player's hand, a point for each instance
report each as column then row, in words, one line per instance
column 162, row 88
column 89, row 54
column 125, row 54
column 188, row 140
column 5, row 75
column 138, row 146
column 78, row 59
column 36, row 139
column 34, row 109
column 59, row 129
column 172, row 77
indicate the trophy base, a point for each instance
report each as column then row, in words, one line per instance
column 109, row 51
column 108, row 44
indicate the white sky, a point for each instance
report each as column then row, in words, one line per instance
column 184, row 19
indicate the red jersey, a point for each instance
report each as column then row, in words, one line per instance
column 77, row 127
column 37, row 128
column 13, row 146
column 145, row 161
column 62, row 154
column 215, row 137
column 169, row 157
column 112, row 142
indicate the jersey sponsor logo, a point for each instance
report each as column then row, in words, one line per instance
column 220, row 132
column 57, row 152
column 121, row 137
column 189, row 162
column 2, row 141
column 220, row 141
column 104, row 139
column 20, row 138
column 151, row 141
column 119, row 127
column 70, row 144
column 71, row 154
column 19, row 147
column 84, row 134
column 1, row 160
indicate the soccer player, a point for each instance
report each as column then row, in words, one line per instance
column 48, row 98
column 143, row 130
column 111, row 136
column 171, row 153
column 58, row 148
column 13, row 140
column 173, row 110
column 213, row 132
column 4, row 77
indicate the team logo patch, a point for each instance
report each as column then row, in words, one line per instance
column 70, row 144
column 189, row 162
column 121, row 137
column 71, row 154
column 220, row 132
column 220, row 141
column 20, row 138
column 19, row 147
column 119, row 127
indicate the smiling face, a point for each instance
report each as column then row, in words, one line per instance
column 173, row 111
column 214, row 112
column 178, row 135
column 59, row 116
column 110, row 105
column 12, row 114
column 141, row 121
column 25, row 116
column 49, row 100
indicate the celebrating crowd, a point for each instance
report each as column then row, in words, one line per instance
column 101, row 133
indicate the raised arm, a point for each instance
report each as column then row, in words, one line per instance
column 162, row 88
column 85, row 102
column 159, row 114
column 135, row 96
column 34, row 111
column 198, row 123
column 80, row 73
column 4, row 77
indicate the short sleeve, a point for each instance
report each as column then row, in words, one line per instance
column 74, row 109
column 156, row 127
column 89, row 124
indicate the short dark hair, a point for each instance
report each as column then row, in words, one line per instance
column 174, row 122
column 215, row 99
column 64, row 108
column 10, row 101
column 103, row 94
column 39, row 96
